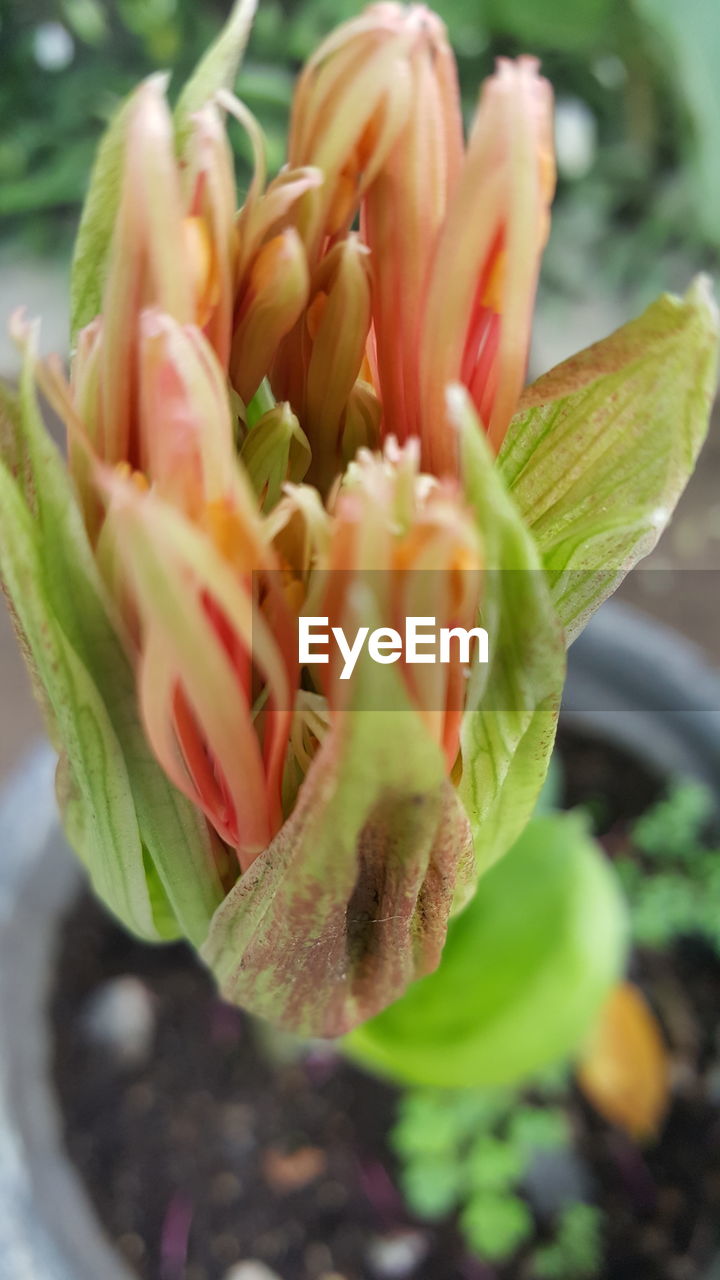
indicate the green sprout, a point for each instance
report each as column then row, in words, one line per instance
column 671, row 872
column 468, row 1152
column 577, row 1248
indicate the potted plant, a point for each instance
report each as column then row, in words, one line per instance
column 279, row 425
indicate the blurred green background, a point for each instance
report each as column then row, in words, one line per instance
column 637, row 86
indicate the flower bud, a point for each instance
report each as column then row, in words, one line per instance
column 404, row 547
column 350, row 105
column 274, row 452
column 403, row 210
column 271, row 300
column 477, row 317
column 195, row 595
column 319, row 364
column 361, row 429
column 173, row 247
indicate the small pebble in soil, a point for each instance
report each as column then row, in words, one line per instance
column 318, row 1260
column 712, row 1083
column 251, row 1270
column 291, row 1171
column 120, row 1017
column 395, row 1256
column 132, row 1246
column 556, row 1179
column 225, row 1188
column 236, row 1126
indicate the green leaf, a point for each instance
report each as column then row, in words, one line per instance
column 496, row 1225
column 274, row 452
column 97, row 221
column 539, row 1128
column 525, row 969
column 435, row 1122
column 577, row 1251
column 604, row 444
column 102, row 810
column 673, row 828
column 512, row 702
column 494, row 1164
column 432, row 1187
column 173, row 835
column 218, row 67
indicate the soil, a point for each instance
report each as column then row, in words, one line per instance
column 213, row 1146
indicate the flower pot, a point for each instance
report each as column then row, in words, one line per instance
column 632, row 684
column 47, row 1228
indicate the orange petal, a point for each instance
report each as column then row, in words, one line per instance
column 625, row 1071
column 211, row 183
column 195, row 607
column 338, row 350
column 476, row 327
column 185, row 428
column 146, row 259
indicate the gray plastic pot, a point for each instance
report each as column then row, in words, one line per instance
column 631, row 683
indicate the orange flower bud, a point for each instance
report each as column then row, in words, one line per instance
column 319, row 364
column 271, row 300
column 404, row 547
column 478, row 312
column 351, row 103
column 402, row 212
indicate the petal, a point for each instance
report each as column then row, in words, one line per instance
column 186, row 441
column 337, row 352
column 264, row 218
column 146, row 257
column 209, row 178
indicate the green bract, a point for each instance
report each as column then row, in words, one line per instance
column 524, row 970
column 603, row 445
column 147, row 850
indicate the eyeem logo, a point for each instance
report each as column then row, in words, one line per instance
column 423, row 641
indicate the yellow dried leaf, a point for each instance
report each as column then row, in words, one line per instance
column 624, row 1071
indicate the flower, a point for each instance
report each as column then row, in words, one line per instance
column 294, row 409
column 455, row 236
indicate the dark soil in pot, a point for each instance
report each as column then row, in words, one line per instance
column 201, row 1149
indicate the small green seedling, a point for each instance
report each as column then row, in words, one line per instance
column 577, row 1248
column 671, row 872
column 468, row 1152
